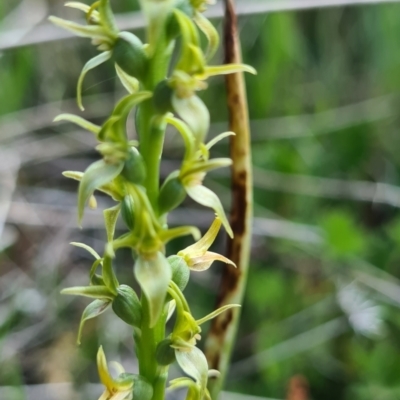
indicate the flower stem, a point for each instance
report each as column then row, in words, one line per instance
column 147, row 345
column 151, row 130
column 151, row 143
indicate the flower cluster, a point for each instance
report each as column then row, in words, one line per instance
column 128, row 171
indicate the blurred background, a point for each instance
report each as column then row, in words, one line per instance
column 321, row 316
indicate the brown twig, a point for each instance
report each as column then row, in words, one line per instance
column 223, row 329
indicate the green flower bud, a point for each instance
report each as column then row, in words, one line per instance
column 165, row 354
column 127, row 211
column 126, row 306
column 172, row 193
column 172, row 26
column 180, row 271
column 134, row 168
column 162, row 97
column 130, row 56
column 142, row 389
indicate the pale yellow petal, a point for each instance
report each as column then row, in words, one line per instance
column 121, row 395
column 105, row 396
column 104, row 374
column 199, row 248
column 118, row 367
column 204, row 262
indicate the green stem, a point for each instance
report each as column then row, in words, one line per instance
column 151, row 134
column 151, row 127
column 151, row 130
column 147, row 345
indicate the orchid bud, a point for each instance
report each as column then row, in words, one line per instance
column 172, row 27
column 162, row 97
column 129, row 54
column 134, row 168
column 142, row 389
column 127, row 211
column 165, row 354
column 180, row 271
column 172, row 194
column 126, row 306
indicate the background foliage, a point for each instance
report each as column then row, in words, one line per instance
column 321, row 316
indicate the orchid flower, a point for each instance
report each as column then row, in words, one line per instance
column 194, row 363
column 115, row 389
column 197, row 256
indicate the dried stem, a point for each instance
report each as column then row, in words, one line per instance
column 223, row 329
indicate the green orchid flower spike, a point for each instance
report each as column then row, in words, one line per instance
column 162, row 91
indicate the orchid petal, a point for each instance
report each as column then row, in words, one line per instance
column 102, row 368
column 226, row 70
column 171, row 309
column 94, row 16
column 194, row 112
column 121, row 395
column 208, row 198
column 108, row 274
column 109, row 188
column 206, row 166
column 118, row 367
column 186, row 134
column 79, row 6
column 105, row 396
column 87, row 248
column 75, row 175
column 204, row 262
column 153, row 275
column 125, row 105
column 107, row 16
column 91, row 31
column 92, row 202
column 194, row 364
column 130, row 83
column 180, row 383
column 210, row 32
column 96, row 292
column 92, row 63
column 110, row 218
column 93, row 310
column 174, row 233
column 214, row 373
column 96, row 175
column 120, row 388
column 200, row 247
column 216, row 313
column 219, row 137
column 83, row 123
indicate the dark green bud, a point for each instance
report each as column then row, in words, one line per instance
column 126, row 306
column 127, row 211
column 162, row 97
column 134, row 169
column 165, row 354
column 129, row 54
column 172, row 194
column 172, row 26
column 180, row 271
